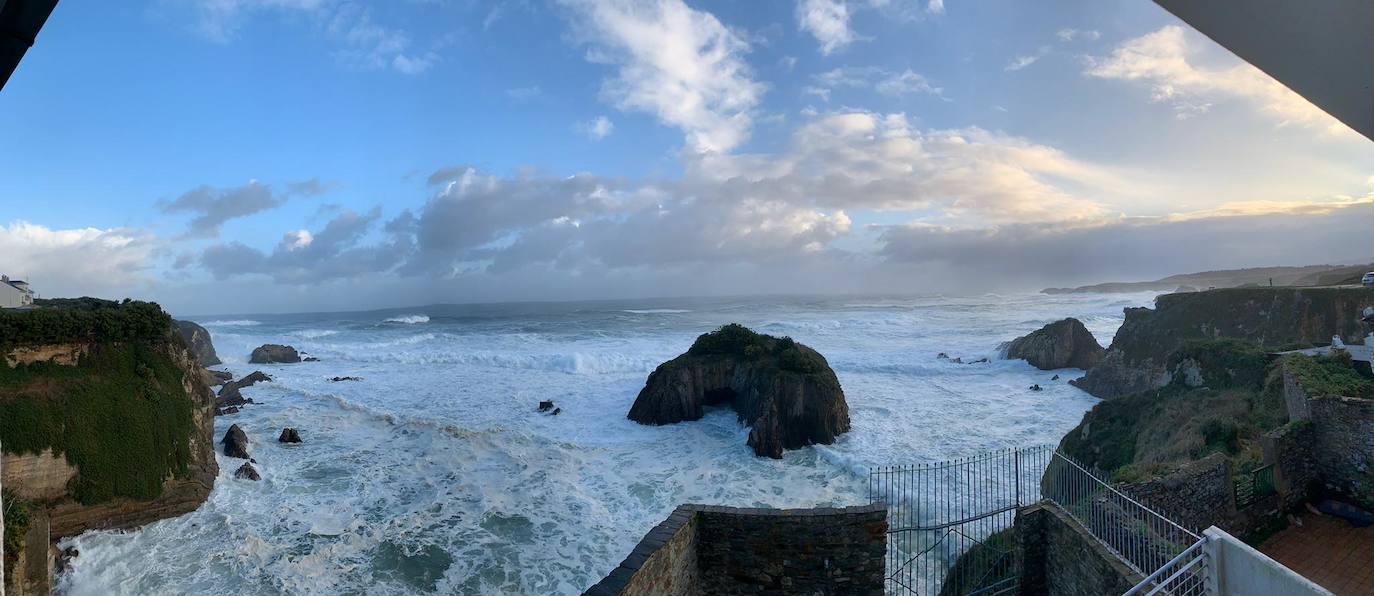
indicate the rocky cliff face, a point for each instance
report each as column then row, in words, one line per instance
column 785, row 391
column 1271, row 318
column 104, row 434
column 198, row 339
column 1061, row 344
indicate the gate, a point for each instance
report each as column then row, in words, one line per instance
column 951, row 523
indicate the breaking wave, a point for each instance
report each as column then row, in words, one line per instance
column 409, row 319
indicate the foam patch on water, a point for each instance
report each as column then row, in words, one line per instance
column 409, row 319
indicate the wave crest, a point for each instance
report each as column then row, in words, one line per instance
column 408, row 319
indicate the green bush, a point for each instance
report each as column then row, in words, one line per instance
column 16, row 524
column 83, row 319
column 737, row 340
column 1322, row 376
column 1224, row 362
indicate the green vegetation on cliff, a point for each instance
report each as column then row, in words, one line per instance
column 1222, row 396
column 120, row 414
column 62, row 320
column 1329, row 376
column 16, row 524
column 737, row 340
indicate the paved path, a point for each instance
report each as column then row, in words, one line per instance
column 1329, row 551
column 1357, row 352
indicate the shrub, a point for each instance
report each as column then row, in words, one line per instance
column 83, row 319
column 16, row 524
column 1329, row 376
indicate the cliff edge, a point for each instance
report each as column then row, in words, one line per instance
column 105, row 417
column 1268, row 318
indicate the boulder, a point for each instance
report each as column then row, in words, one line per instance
column 198, row 339
column 545, row 405
column 226, row 411
column 247, row 472
column 235, row 442
column 337, row 379
column 1061, row 344
column 785, row 391
column 289, row 435
column 229, row 396
column 274, row 354
column 218, row 377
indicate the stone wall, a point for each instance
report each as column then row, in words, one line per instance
column 1058, row 557
column 707, row 549
column 1289, row 449
column 1343, row 447
column 1197, row 495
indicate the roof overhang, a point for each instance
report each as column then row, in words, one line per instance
column 20, row 21
column 1322, row 49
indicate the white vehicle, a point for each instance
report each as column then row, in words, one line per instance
column 1368, row 279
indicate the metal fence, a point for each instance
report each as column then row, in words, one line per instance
column 950, row 522
column 1170, row 556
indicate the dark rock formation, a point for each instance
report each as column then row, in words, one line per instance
column 289, row 435
column 254, row 377
column 1271, row 318
column 310, row 359
column 229, row 395
column 545, row 405
column 273, row 354
column 337, row 379
column 1061, row 344
column 247, row 472
column 225, row 411
column 235, row 442
column 218, row 377
column 556, row 411
column 784, row 390
column 198, row 340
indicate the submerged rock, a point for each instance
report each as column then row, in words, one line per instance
column 786, row 392
column 235, row 442
column 289, row 435
column 1061, row 344
column 198, row 340
column 273, row 354
column 247, row 472
column 337, row 379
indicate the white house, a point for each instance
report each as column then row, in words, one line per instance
column 14, row 293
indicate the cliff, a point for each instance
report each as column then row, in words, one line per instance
column 785, row 391
column 1269, row 318
column 198, row 340
column 105, row 417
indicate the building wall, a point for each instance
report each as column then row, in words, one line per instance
column 706, row 549
column 10, row 297
column 1343, row 447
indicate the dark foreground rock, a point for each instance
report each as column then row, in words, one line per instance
column 218, row 377
column 247, row 472
column 1061, row 344
column 230, row 397
column 289, row 435
column 545, row 406
column 274, row 354
column 198, row 340
column 235, row 442
column 785, row 391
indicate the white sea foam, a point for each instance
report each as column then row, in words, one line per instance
column 436, row 474
column 409, row 319
column 232, row 323
column 656, row 311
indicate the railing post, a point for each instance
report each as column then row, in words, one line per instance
column 1016, row 458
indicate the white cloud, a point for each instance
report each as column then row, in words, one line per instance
column 680, row 64
column 1021, row 62
column 109, row 263
column 597, row 128
column 1163, row 60
column 883, row 81
column 935, row 7
column 1067, row 35
column 827, row 21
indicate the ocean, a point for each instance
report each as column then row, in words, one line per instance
column 434, row 473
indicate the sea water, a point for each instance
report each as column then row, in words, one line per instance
column 435, row 473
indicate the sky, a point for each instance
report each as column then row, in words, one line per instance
column 250, row 156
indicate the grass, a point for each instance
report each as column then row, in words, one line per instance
column 1325, row 376
column 16, row 524
column 119, row 415
column 1142, row 436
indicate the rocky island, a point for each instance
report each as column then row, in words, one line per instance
column 1061, row 344
column 785, row 391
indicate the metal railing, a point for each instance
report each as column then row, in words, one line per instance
column 950, row 522
column 1170, row 557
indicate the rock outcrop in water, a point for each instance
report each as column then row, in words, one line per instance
column 274, row 354
column 785, row 391
column 289, row 435
column 198, row 340
column 1061, row 344
column 1270, row 318
column 230, row 397
column 235, row 442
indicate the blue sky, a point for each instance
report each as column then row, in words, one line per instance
column 269, row 155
